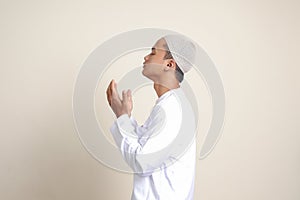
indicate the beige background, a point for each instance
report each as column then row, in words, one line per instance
column 254, row 44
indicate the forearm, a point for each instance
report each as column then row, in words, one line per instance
column 135, row 144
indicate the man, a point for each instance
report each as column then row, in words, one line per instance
column 161, row 152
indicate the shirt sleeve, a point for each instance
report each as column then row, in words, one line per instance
column 138, row 144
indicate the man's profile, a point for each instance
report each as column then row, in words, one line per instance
column 160, row 173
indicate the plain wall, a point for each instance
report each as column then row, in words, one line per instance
column 254, row 44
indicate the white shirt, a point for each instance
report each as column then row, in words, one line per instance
column 162, row 172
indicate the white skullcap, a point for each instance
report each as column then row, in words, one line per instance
column 182, row 49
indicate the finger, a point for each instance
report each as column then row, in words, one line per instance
column 129, row 96
column 115, row 93
column 113, row 86
column 109, row 93
column 124, row 96
column 109, row 88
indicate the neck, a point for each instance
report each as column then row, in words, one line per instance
column 160, row 89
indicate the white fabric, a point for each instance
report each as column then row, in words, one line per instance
column 183, row 51
column 155, row 180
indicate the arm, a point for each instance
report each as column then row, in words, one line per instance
column 139, row 152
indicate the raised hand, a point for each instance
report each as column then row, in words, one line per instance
column 118, row 105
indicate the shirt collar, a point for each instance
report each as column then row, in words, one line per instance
column 166, row 94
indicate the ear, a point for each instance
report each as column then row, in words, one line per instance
column 170, row 64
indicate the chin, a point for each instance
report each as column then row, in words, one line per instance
column 143, row 72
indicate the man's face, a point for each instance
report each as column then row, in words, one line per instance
column 154, row 62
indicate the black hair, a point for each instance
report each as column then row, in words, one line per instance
column 178, row 72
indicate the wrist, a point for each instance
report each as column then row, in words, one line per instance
column 121, row 113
